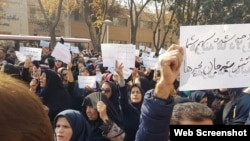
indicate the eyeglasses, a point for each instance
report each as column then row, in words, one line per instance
column 106, row 90
column 64, row 74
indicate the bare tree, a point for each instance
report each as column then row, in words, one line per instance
column 163, row 23
column 135, row 11
column 52, row 20
column 52, row 11
column 95, row 12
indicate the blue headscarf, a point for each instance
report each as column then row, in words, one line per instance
column 78, row 123
column 197, row 96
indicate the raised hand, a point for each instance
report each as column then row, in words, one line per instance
column 170, row 63
column 118, row 68
column 102, row 109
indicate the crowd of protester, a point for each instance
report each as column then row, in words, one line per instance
column 140, row 107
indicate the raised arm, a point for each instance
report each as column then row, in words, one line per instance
column 158, row 105
column 170, row 64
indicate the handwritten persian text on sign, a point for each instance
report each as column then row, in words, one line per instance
column 216, row 56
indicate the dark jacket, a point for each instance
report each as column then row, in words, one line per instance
column 155, row 118
column 241, row 110
column 248, row 119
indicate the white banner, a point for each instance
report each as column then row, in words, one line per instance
column 123, row 53
column 33, row 53
column 85, row 81
column 216, row 56
column 62, row 53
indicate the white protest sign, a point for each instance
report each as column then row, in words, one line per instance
column 137, row 52
column 74, row 49
column 151, row 54
column 148, row 49
column 126, row 72
column 162, row 51
column 67, row 45
column 216, row 56
column 123, row 53
column 150, row 62
column 84, row 81
column 62, row 53
column 20, row 56
column 33, row 53
column 144, row 55
column 142, row 48
column 98, row 77
column 44, row 43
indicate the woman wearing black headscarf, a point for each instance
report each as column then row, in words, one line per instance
column 130, row 103
column 103, row 119
column 131, row 110
column 53, row 94
column 71, row 125
column 109, row 89
column 199, row 96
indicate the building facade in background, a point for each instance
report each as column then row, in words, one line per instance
column 23, row 17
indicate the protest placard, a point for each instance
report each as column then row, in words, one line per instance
column 33, row 53
column 216, row 56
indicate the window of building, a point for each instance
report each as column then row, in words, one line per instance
column 146, row 25
column 78, row 16
column 120, row 21
column 36, row 14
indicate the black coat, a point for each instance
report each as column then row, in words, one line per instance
column 54, row 95
column 91, row 100
column 131, row 113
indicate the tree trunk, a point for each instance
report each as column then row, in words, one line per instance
column 67, row 25
column 133, row 35
column 52, row 37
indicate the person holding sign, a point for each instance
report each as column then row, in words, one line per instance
column 103, row 118
column 82, row 87
column 158, row 104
